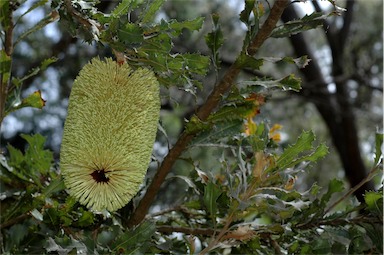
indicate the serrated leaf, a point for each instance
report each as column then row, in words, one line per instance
column 308, row 22
column 289, row 82
column 56, row 185
column 34, row 6
column 36, row 156
column 290, row 154
column 248, row 8
column 149, row 13
column 320, row 152
column 131, row 33
column 246, row 61
column 136, row 240
column 333, row 187
column 42, row 23
column 33, row 72
column 191, row 25
column 33, row 100
column 211, row 194
column 215, row 40
column 219, row 131
column 300, row 62
column 122, row 8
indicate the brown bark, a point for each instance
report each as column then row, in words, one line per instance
column 205, row 110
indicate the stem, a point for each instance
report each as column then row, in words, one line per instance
column 8, row 48
column 203, row 112
column 370, row 175
column 220, row 235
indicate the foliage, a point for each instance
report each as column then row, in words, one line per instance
column 249, row 204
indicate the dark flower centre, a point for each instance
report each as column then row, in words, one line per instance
column 99, row 176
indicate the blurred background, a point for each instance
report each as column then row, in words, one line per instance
column 341, row 99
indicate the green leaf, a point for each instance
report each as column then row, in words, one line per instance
column 85, row 219
column 215, row 40
column 5, row 16
column 122, row 8
column 300, row 62
column 308, row 22
column 34, row 162
column 17, row 233
column 36, row 156
column 34, row 6
column 135, row 241
column 333, row 187
column 248, row 8
column 131, row 34
column 33, row 100
column 378, row 145
column 191, row 25
column 33, row 72
column 320, row 152
column 5, row 66
column 246, row 61
column 290, row 154
column 211, row 194
column 56, row 185
column 289, row 82
column 42, row 23
column 150, row 12
column 374, row 201
column 221, row 130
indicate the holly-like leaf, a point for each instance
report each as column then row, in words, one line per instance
column 34, row 162
column 33, row 100
column 53, row 16
column 215, row 40
column 246, row 61
column 150, row 12
column 308, row 22
column 135, row 241
column 294, row 154
column 289, row 82
column 333, row 187
column 220, row 131
column 131, row 33
column 300, row 62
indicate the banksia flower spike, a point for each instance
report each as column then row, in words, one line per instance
column 109, row 133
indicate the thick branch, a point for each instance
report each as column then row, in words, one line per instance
column 205, row 110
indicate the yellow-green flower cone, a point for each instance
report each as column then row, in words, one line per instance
column 109, row 133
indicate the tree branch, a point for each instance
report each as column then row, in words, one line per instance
column 204, row 111
column 188, row 231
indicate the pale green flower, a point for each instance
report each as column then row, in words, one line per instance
column 109, row 133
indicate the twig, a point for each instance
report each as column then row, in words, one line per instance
column 189, row 231
column 79, row 17
column 204, row 111
column 370, row 175
column 15, row 220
